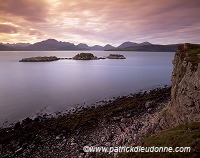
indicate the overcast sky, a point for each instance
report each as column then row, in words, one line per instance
column 100, row 21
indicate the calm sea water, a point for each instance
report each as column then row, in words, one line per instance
column 30, row 88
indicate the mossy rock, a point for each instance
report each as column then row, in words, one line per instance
column 165, row 112
column 84, row 56
column 192, row 52
column 187, row 135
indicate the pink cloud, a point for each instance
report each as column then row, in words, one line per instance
column 8, row 29
column 104, row 21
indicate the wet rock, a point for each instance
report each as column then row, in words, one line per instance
column 37, row 119
column 24, row 146
column 124, row 120
column 73, row 144
column 116, row 118
column 19, row 151
column 5, row 156
column 148, row 104
column 17, row 125
column 128, row 115
column 27, row 120
column 81, row 155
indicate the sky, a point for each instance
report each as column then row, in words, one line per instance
column 100, row 21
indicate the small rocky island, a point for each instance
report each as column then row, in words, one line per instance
column 85, row 56
column 79, row 56
column 39, row 59
column 116, row 56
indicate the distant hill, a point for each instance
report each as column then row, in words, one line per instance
column 50, row 45
column 108, row 46
column 97, row 47
column 133, row 44
column 53, row 45
column 83, row 46
column 145, row 44
column 6, row 48
column 127, row 44
column 149, row 48
column 17, row 44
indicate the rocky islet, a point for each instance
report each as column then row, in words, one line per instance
column 79, row 56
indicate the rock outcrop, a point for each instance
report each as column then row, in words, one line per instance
column 185, row 93
column 116, row 56
column 84, row 56
column 39, row 59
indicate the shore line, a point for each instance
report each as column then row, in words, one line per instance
column 87, row 126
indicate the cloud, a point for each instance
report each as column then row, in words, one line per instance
column 104, row 21
column 34, row 32
column 30, row 10
column 8, row 29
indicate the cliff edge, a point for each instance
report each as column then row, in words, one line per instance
column 185, row 93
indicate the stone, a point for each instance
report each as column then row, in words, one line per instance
column 148, row 104
column 18, row 150
column 128, row 115
column 149, row 109
column 17, row 125
column 123, row 120
column 73, row 144
column 116, row 118
column 116, row 56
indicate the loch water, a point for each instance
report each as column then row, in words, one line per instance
column 28, row 88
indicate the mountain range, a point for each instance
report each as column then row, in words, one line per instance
column 54, row 45
column 149, row 48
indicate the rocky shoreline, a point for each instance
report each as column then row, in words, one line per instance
column 121, row 122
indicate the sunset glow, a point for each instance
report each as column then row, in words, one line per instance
column 100, row 22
